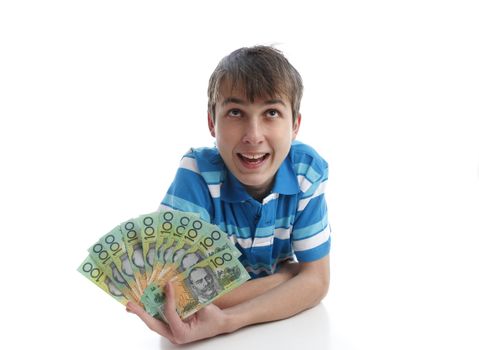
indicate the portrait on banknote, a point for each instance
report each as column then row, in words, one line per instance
column 203, row 283
column 189, row 260
column 112, row 288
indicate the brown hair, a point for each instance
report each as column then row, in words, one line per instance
column 260, row 71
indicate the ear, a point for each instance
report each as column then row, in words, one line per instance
column 211, row 125
column 296, row 125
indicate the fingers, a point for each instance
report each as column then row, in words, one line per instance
column 152, row 323
column 171, row 315
column 176, row 329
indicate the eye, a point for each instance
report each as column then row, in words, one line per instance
column 235, row 113
column 272, row 113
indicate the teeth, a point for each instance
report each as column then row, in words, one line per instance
column 253, row 156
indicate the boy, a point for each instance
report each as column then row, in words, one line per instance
column 262, row 188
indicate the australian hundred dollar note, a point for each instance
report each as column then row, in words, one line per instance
column 110, row 253
column 149, row 224
column 95, row 274
column 131, row 233
column 172, row 227
column 211, row 241
column 200, row 284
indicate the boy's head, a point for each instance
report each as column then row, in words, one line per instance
column 260, row 71
column 253, row 112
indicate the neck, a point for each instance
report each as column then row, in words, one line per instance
column 259, row 193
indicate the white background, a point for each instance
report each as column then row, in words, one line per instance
column 99, row 100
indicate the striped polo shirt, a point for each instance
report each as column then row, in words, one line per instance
column 291, row 222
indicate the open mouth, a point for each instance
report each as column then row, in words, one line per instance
column 252, row 160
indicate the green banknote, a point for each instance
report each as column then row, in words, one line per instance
column 149, row 225
column 94, row 273
column 110, row 254
column 211, row 241
column 192, row 231
column 150, row 299
column 130, row 230
column 163, row 233
column 199, row 285
column 136, row 259
column 174, row 225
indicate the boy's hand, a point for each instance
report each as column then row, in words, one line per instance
column 206, row 323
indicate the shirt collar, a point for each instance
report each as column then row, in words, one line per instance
column 285, row 183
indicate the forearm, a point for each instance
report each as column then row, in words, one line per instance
column 299, row 293
column 304, row 290
column 252, row 289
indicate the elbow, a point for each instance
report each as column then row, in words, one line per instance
column 320, row 287
column 316, row 276
column 320, row 290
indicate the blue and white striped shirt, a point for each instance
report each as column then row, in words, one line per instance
column 291, row 221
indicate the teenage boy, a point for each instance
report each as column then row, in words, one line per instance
column 261, row 187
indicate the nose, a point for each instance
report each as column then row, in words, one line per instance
column 253, row 131
column 203, row 283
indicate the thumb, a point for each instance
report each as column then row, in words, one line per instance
column 170, row 307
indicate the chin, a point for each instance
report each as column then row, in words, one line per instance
column 258, row 185
column 250, row 181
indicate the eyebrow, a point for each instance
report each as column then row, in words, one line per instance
column 242, row 102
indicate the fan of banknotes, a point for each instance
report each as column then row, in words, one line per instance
column 136, row 259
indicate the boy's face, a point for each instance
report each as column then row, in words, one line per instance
column 253, row 138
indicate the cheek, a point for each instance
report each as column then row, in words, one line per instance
column 227, row 137
column 283, row 138
column 282, row 144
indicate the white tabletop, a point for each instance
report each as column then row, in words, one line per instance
column 308, row 330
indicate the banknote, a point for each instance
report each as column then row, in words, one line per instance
column 173, row 227
column 95, row 274
column 211, row 242
column 192, row 231
column 199, row 285
column 136, row 258
column 165, row 229
column 150, row 299
column 130, row 230
column 149, row 225
column 107, row 253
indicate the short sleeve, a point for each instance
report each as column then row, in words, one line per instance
column 189, row 191
column 311, row 234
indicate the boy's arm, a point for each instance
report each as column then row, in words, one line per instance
column 258, row 286
column 303, row 291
